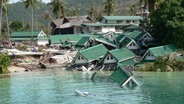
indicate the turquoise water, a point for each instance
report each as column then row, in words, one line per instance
column 58, row 87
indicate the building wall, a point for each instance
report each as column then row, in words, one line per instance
column 132, row 46
column 80, row 60
column 149, row 56
column 108, row 29
column 43, row 41
column 109, row 59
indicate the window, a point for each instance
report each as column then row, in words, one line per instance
column 107, row 57
column 119, row 21
column 78, row 58
column 127, row 21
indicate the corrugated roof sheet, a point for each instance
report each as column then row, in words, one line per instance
column 94, row 53
column 120, row 75
column 122, row 54
column 122, row 17
column 25, row 33
column 74, row 38
column 136, row 35
column 163, row 50
column 105, row 41
column 83, row 41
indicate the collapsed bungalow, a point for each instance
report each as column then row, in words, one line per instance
column 118, row 56
column 155, row 52
column 123, row 77
column 142, row 38
column 37, row 36
column 89, row 55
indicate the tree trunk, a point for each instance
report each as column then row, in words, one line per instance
column 1, row 14
column 7, row 23
column 32, row 27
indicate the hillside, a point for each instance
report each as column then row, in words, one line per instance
column 17, row 11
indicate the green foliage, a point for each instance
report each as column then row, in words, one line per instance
column 160, row 63
column 5, row 61
column 109, row 7
column 16, row 25
column 167, row 22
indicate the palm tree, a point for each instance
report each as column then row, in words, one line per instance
column 1, row 15
column 109, row 7
column 57, row 8
column 32, row 4
column 92, row 12
column 7, row 21
column 132, row 9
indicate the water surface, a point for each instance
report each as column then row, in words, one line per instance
column 58, row 87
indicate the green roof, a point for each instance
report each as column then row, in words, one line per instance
column 22, row 39
column 125, row 41
column 162, row 50
column 94, row 53
column 122, row 17
column 104, row 24
column 119, row 37
column 120, row 75
column 122, row 54
column 129, row 62
column 105, row 41
column 74, row 38
column 25, row 33
column 83, row 41
column 136, row 35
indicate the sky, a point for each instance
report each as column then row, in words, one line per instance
column 14, row 1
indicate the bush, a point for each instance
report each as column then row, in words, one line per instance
column 5, row 61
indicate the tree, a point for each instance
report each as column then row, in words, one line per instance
column 32, row 4
column 57, row 7
column 109, row 7
column 167, row 22
column 151, row 3
column 16, row 25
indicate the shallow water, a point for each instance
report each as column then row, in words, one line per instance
column 58, row 87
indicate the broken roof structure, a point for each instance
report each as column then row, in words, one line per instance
column 90, row 54
column 123, row 77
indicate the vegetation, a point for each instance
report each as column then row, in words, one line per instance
column 109, row 7
column 4, row 63
column 167, row 22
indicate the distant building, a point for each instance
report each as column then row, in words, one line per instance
column 37, row 36
column 111, row 24
column 69, row 25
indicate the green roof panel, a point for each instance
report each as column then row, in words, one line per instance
column 95, row 52
column 122, row 54
column 122, row 17
column 120, row 75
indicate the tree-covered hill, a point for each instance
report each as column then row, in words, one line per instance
column 18, row 12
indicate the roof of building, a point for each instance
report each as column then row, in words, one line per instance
column 162, row 50
column 120, row 75
column 122, row 17
column 105, row 41
column 119, row 37
column 125, row 41
column 25, row 33
column 94, row 53
column 129, row 62
column 83, row 41
column 104, row 24
column 122, row 54
column 74, row 38
column 136, row 35
column 22, row 39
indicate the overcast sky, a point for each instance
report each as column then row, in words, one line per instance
column 14, row 1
